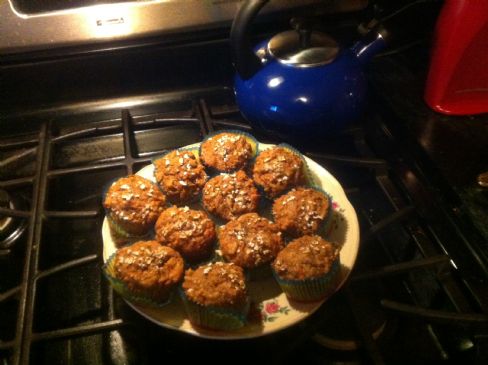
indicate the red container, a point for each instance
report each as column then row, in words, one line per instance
column 458, row 76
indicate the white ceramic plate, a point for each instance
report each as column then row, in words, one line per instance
column 272, row 309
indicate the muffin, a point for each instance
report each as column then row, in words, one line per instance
column 306, row 268
column 226, row 151
column 301, row 211
column 215, row 296
column 145, row 272
column 180, row 175
column 230, row 195
column 250, row 241
column 277, row 170
column 133, row 205
column 190, row 232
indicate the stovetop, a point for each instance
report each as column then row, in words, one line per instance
column 410, row 298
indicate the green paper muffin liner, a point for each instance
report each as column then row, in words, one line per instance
column 309, row 290
column 250, row 139
column 120, row 287
column 224, row 319
column 120, row 236
column 309, row 179
column 196, row 152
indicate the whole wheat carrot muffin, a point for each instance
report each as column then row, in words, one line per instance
column 215, row 296
column 148, row 270
column 226, row 151
column 277, row 170
column 306, row 268
column 230, row 195
column 250, row 241
column 301, row 211
column 180, row 175
column 188, row 231
column 133, row 205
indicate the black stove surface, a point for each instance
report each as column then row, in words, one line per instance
column 409, row 298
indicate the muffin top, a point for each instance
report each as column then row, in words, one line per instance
column 226, row 152
column 134, row 199
column 306, row 257
column 147, row 266
column 190, row 232
column 277, row 169
column 180, row 175
column 217, row 284
column 230, row 195
column 250, row 240
column 301, row 211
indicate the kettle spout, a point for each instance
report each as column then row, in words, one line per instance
column 369, row 46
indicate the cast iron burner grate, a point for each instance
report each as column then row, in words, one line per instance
column 57, row 308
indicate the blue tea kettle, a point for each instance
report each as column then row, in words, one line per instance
column 299, row 85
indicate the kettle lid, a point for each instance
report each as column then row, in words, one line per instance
column 303, row 48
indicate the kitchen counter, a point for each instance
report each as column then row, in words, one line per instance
column 454, row 148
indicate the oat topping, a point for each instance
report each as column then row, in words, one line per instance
column 134, row 202
column 148, row 268
column 278, row 169
column 216, row 284
column 190, row 232
column 226, row 151
column 250, row 240
column 230, row 195
column 181, row 175
column 305, row 258
column 301, row 211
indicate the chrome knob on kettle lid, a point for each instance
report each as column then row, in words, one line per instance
column 303, row 47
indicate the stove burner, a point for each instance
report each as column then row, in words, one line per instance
column 10, row 227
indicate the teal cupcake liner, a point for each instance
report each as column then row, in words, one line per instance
column 120, row 287
column 309, row 290
column 120, row 236
column 195, row 150
column 224, row 319
column 250, row 138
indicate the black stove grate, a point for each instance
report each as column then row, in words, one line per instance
column 401, row 257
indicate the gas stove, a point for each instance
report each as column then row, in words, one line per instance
column 74, row 119
column 407, row 299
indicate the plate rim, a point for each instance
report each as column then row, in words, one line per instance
column 230, row 335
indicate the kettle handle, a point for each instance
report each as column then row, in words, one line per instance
column 245, row 61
